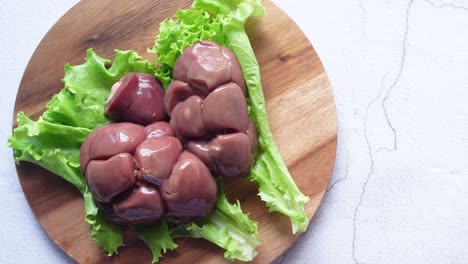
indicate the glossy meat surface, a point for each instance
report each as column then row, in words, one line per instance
column 126, row 166
column 191, row 191
column 136, row 98
column 208, row 109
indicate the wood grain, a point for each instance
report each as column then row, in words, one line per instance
column 299, row 103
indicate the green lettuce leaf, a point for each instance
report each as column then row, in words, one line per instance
column 106, row 235
column 229, row 228
column 223, row 22
column 87, row 86
column 157, row 237
column 54, row 140
column 174, row 36
column 54, row 147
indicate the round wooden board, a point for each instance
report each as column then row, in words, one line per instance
column 300, row 106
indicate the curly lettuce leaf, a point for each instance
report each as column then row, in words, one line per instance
column 54, row 147
column 54, row 140
column 223, row 22
column 229, row 228
column 157, row 237
column 106, row 235
column 175, row 35
column 87, row 86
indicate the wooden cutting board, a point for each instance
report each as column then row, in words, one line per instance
column 300, row 106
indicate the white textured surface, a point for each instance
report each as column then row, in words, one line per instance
column 399, row 191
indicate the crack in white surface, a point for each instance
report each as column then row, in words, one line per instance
column 446, row 5
column 402, row 65
column 388, row 121
column 395, row 82
column 371, row 156
column 340, row 179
